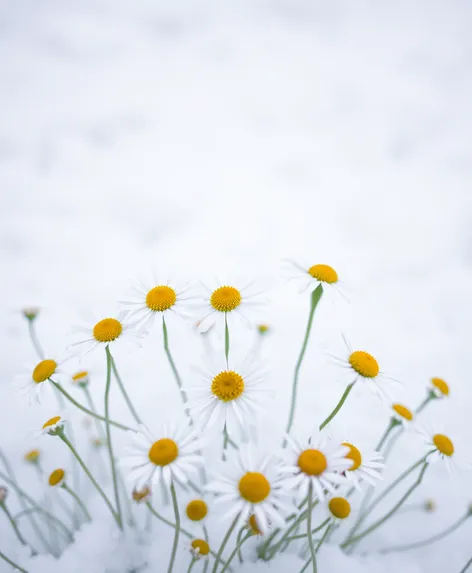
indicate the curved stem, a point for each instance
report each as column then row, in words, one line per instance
column 35, row 340
column 313, row 531
column 175, row 503
column 235, row 551
column 123, row 390
column 238, row 540
column 466, row 566
column 223, row 544
column 78, row 501
column 172, row 364
column 308, row 528
column 117, row 514
column 13, row 524
column 315, row 298
column 12, row 563
column 192, row 563
column 88, row 397
column 338, row 406
column 86, row 410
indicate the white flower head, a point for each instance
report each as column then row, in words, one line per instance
column 403, row 415
column 310, row 277
column 337, row 508
column 228, row 396
column 252, row 485
column 53, row 426
column 160, row 462
column 317, row 461
column 36, row 380
column 199, row 548
column 444, row 449
column 439, row 387
column 366, row 466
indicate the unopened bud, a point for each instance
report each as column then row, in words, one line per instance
column 429, row 505
column 30, row 312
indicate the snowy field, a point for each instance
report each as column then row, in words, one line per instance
column 215, row 138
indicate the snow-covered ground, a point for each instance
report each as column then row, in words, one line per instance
column 215, row 138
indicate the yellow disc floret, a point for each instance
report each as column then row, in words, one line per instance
column 364, row 364
column 312, row 462
column 355, row 455
column 339, row 507
column 200, row 547
column 440, row 385
column 163, row 452
column 44, row 370
column 403, row 412
column 32, row 456
column 443, row 444
column 51, row 422
column 56, row 477
column 107, row 330
column 227, row 385
column 196, row 509
column 254, row 487
column 323, row 273
column 161, row 298
column 80, row 377
column 225, row 299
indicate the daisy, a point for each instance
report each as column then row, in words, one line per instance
column 200, row 549
column 317, row 462
column 439, row 387
column 196, row 510
column 338, row 509
column 365, row 466
column 154, row 299
column 32, row 456
column 443, row 449
column 36, row 380
column 81, row 378
column 56, row 477
column 251, row 485
column 402, row 415
column 164, row 461
column 105, row 332
column 53, row 426
column 311, row 277
column 141, row 496
column 225, row 302
column 228, row 397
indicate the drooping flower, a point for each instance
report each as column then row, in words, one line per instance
column 439, row 387
column 53, row 426
column 310, row 277
column 200, row 548
column 56, row 477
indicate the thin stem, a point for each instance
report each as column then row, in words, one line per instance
column 192, row 563
column 235, row 551
column 175, row 503
column 13, row 524
column 315, row 298
column 381, row 521
column 238, row 540
column 35, row 340
column 123, row 390
column 319, row 544
column 117, row 514
column 172, row 364
column 91, row 478
column 88, row 397
column 425, row 402
column 308, row 528
column 338, row 406
column 466, row 566
column 226, row 341
column 36, row 529
column 428, row 540
column 386, row 434
column 313, row 531
column 87, row 411
column 12, row 563
column 207, row 539
column 78, row 500
column 223, row 544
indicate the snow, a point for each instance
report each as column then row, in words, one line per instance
column 212, row 138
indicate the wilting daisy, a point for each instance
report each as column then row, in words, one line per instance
column 403, row 415
column 142, row 495
column 169, row 458
column 443, row 449
column 53, row 426
column 228, row 397
column 223, row 301
column 439, row 387
column 365, row 466
column 108, row 331
column 251, row 485
column 309, row 277
column 318, row 462
column 363, row 367
column 36, row 379
column 199, row 548
column 154, row 299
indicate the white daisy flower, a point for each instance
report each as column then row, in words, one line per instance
column 229, row 397
column 311, row 277
column 316, row 461
column 81, row 378
column 224, row 301
column 365, row 466
column 168, row 459
column 443, row 449
column 439, row 387
column 403, row 415
column 251, row 485
column 199, row 548
column 154, row 299
column 53, row 426
column 36, row 379
column 362, row 366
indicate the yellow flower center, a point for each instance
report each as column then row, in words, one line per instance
column 200, row 546
column 312, row 462
column 355, row 455
column 161, row 298
column 364, row 364
column 339, row 507
column 323, row 273
column 51, row 422
column 443, row 444
column 32, row 456
column 254, row 487
column 227, row 385
column 80, row 376
column 254, row 526
column 441, row 385
column 403, row 412
column 56, row 477
column 163, row 452
column 263, row 328
column 139, row 495
column 197, row 509
column 44, row 370
column 225, row 299
column 107, row 330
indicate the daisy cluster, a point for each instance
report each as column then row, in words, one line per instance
column 310, row 490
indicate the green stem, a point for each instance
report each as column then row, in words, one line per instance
column 35, row 340
column 91, row 478
column 12, row 563
column 386, row 434
column 381, row 521
column 87, row 411
column 226, row 341
column 235, row 551
column 123, row 390
column 88, row 397
column 308, row 528
column 428, row 540
column 223, row 544
column 192, row 563
column 319, row 544
column 338, row 406
column 14, row 525
column 315, row 298
column 117, row 514
column 175, row 372
column 313, row 531
column 207, row 539
column 238, row 540
column 466, row 566
column 175, row 503
column 78, row 501
column 425, row 402
column 35, row 527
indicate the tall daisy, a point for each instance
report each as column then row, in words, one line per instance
column 310, row 277
column 36, row 379
column 169, row 458
column 229, row 397
column 107, row 331
column 366, row 466
column 444, row 449
column 317, row 462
